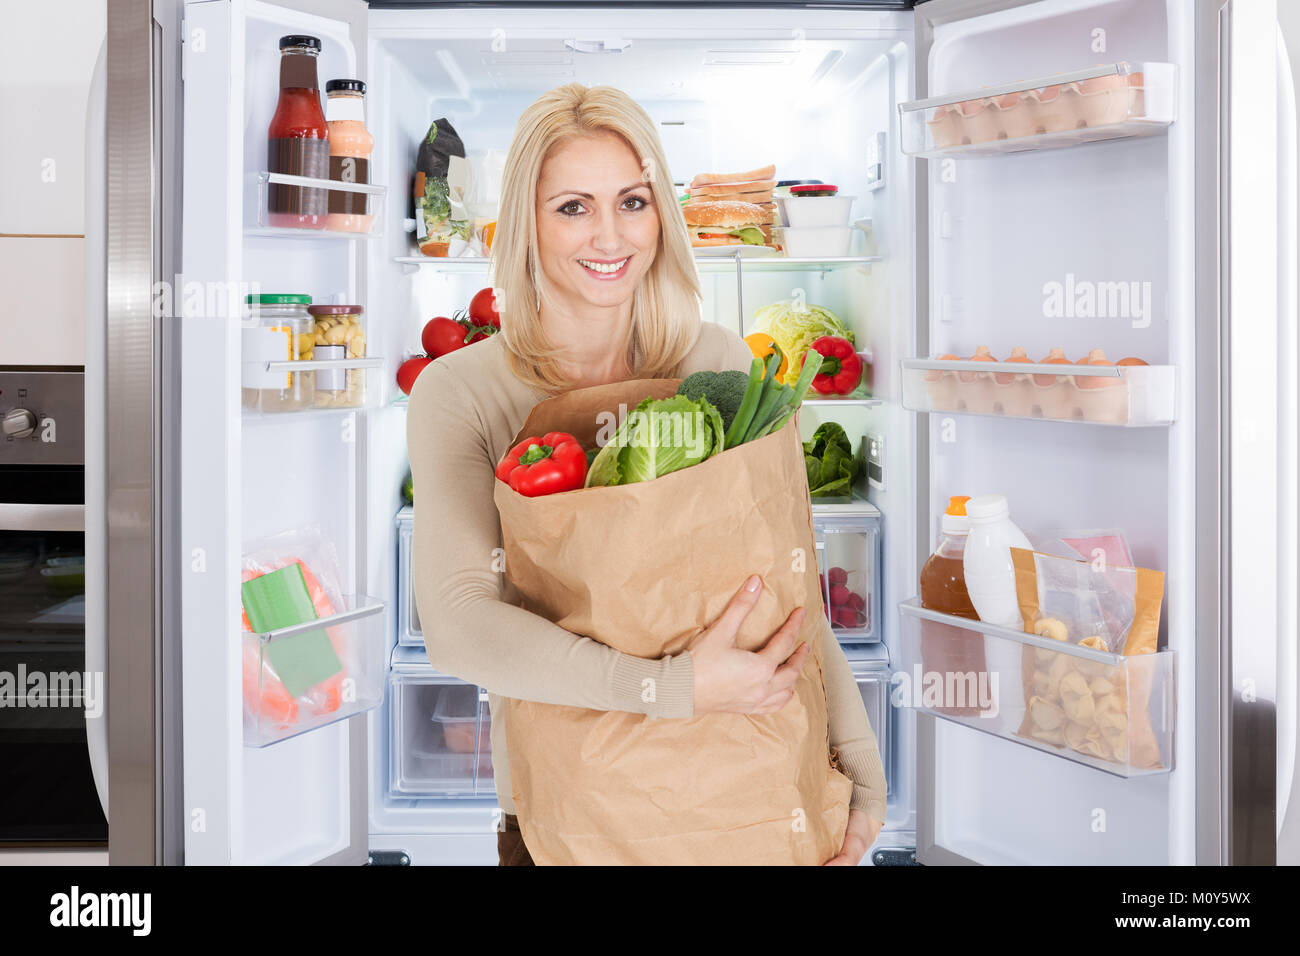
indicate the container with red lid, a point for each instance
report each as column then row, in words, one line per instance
column 817, row 206
column 814, row 189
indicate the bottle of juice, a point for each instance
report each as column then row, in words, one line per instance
column 947, row 650
column 943, row 584
column 298, row 139
column 350, row 147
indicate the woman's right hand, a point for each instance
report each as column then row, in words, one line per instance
column 731, row 680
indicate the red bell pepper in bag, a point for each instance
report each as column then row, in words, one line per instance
column 544, row 466
column 841, row 369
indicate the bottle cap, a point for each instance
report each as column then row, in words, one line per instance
column 954, row 520
column 300, row 39
column 987, row 507
column 351, row 86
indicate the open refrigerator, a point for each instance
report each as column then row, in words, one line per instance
column 984, row 225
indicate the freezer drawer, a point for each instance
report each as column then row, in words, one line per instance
column 408, row 615
column 440, row 737
column 848, row 562
column 873, row 684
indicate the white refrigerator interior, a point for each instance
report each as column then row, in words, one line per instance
column 962, row 251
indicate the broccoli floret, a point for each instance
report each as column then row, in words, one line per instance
column 724, row 390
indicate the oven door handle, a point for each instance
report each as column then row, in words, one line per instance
column 28, row 517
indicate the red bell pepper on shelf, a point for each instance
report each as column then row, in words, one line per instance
column 544, row 466
column 841, row 369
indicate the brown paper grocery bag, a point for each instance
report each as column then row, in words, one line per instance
column 645, row 568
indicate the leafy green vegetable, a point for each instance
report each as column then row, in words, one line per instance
column 829, row 461
column 408, row 490
column 660, row 436
column 750, row 235
column 724, row 390
column 796, row 326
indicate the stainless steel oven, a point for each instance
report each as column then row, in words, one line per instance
column 50, row 701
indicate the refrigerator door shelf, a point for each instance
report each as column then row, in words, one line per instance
column 1107, row 711
column 355, row 637
column 1109, row 102
column 282, row 386
column 1132, row 395
column 263, row 181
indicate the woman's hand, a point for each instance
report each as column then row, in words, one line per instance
column 862, row 832
column 730, row 680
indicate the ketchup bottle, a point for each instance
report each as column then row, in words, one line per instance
column 298, row 139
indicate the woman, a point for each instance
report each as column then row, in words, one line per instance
column 596, row 285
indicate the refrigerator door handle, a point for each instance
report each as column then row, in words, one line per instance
column 94, row 515
column 1288, row 800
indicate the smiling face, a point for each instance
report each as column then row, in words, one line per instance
column 597, row 224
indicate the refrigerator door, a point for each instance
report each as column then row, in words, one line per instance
column 1175, row 215
column 244, row 477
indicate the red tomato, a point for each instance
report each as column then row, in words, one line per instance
column 409, row 371
column 442, row 335
column 483, row 308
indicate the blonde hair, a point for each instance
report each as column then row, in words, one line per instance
column 666, row 303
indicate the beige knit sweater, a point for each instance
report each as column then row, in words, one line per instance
column 464, row 410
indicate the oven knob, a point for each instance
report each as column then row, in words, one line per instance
column 19, row 423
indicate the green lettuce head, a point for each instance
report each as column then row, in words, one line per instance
column 660, row 436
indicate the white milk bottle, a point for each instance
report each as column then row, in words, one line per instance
column 990, row 576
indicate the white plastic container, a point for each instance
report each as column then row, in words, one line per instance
column 990, row 575
column 807, row 212
column 822, row 242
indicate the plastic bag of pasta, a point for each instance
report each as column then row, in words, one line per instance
column 1095, row 696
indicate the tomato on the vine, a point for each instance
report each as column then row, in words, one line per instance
column 483, row 308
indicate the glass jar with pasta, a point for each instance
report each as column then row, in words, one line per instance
column 338, row 334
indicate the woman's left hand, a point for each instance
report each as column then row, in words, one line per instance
column 861, row 834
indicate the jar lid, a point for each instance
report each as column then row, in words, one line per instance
column 335, row 309
column 300, row 39
column 813, row 188
column 279, row 298
column 353, row 86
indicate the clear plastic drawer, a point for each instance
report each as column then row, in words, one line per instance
column 440, row 735
column 1108, row 711
column 873, row 684
column 848, row 564
column 409, row 633
column 298, row 678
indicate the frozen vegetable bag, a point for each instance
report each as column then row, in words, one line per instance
column 645, row 568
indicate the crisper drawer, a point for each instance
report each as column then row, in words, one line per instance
column 848, row 562
column 409, row 633
column 873, row 684
column 440, row 737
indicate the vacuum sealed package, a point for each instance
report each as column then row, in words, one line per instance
column 1072, row 700
column 441, row 188
column 289, row 579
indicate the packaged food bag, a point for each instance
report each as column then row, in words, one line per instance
column 1090, row 706
column 645, row 568
column 441, row 187
column 300, row 677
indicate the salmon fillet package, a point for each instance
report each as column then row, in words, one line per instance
column 645, row 568
column 1093, row 707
